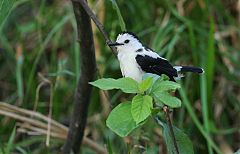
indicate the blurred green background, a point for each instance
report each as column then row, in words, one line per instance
column 38, row 42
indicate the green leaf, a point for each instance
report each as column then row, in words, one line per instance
column 145, row 84
column 105, row 84
column 127, row 85
column 120, row 120
column 153, row 76
column 141, row 107
column 5, row 8
column 165, row 77
column 167, row 99
column 183, row 142
column 10, row 143
column 161, row 85
column 21, row 150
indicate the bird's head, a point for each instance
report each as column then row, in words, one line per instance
column 127, row 42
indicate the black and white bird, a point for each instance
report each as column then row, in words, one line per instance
column 136, row 59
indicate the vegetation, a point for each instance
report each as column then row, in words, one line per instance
column 40, row 68
column 152, row 96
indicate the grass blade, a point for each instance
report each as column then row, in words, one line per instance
column 19, row 61
column 120, row 18
column 204, row 103
column 192, row 114
column 10, row 144
column 193, row 42
column 207, row 81
column 41, row 50
column 209, row 66
column 5, row 8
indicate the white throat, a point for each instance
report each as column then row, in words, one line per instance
column 129, row 66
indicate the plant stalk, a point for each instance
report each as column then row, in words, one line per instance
column 169, row 123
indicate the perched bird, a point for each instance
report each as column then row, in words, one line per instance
column 136, row 59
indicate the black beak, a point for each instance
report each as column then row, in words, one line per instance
column 114, row 44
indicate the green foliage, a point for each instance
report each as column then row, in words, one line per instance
column 167, row 99
column 163, row 85
column 127, row 85
column 5, row 8
column 120, row 120
column 145, row 84
column 206, row 85
column 160, row 92
column 109, row 147
column 20, row 89
column 183, row 142
column 10, row 143
column 127, row 116
column 196, row 121
column 141, row 107
column 198, row 33
column 120, row 18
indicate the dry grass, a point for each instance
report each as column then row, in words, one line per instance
column 34, row 123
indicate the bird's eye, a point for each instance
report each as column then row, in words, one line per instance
column 126, row 41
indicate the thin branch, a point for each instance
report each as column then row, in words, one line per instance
column 98, row 23
column 83, row 91
column 169, row 123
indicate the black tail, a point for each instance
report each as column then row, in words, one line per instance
column 189, row 69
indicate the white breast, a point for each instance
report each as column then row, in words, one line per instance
column 129, row 66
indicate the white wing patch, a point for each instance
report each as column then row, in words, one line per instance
column 178, row 68
column 151, row 54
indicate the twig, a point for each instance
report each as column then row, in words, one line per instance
column 83, row 91
column 166, row 111
column 98, row 24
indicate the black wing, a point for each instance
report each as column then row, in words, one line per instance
column 157, row 66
